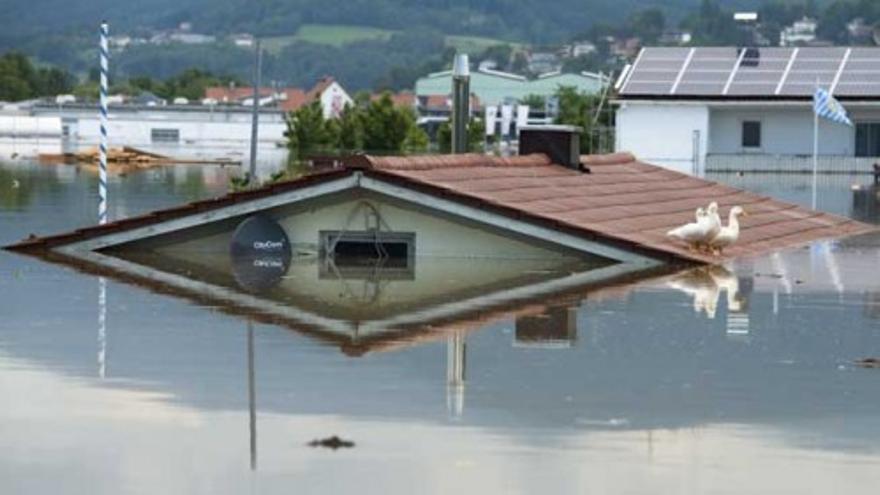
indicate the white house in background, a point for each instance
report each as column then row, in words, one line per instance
column 710, row 108
column 799, row 33
column 332, row 95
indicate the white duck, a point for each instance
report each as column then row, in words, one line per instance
column 699, row 233
column 729, row 233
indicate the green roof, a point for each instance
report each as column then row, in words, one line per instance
column 493, row 87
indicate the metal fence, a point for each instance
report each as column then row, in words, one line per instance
column 789, row 163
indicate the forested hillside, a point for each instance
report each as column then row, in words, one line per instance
column 526, row 20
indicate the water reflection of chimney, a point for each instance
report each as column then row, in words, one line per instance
column 252, row 396
column 555, row 328
column 456, row 355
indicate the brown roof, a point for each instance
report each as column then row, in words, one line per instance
column 402, row 99
column 622, row 201
column 319, row 88
column 444, row 102
column 227, row 94
column 294, row 98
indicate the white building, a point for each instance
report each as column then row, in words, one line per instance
column 696, row 109
column 799, row 33
column 180, row 130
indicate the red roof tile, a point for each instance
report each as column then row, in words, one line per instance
column 622, row 202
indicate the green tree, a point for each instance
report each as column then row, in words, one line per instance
column 386, row 126
column 54, row 81
column 20, row 80
column 190, row 84
column 350, row 128
column 647, row 24
column 583, row 110
column 476, row 135
column 308, row 131
column 416, row 141
column 533, row 101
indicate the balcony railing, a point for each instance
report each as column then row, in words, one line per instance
column 789, row 163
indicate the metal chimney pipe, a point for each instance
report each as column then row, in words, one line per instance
column 461, row 102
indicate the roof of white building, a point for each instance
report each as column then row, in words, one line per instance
column 752, row 73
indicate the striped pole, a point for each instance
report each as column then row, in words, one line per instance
column 102, row 171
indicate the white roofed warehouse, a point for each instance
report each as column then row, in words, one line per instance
column 697, row 109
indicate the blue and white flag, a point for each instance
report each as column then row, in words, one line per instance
column 826, row 106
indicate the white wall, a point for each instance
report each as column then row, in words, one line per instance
column 663, row 134
column 333, row 100
column 436, row 236
column 135, row 132
column 29, row 126
column 784, row 131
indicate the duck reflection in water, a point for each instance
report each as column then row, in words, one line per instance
column 705, row 285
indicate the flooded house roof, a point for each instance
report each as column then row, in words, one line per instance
column 615, row 201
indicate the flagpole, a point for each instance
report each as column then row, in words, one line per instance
column 815, row 144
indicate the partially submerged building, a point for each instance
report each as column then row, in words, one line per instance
column 551, row 205
column 389, row 251
column 729, row 108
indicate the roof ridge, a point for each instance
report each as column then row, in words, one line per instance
column 434, row 162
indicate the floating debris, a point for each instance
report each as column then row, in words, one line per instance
column 15, row 184
column 128, row 159
column 873, row 363
column 333, row 442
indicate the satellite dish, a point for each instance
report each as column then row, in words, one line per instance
column 260, row 252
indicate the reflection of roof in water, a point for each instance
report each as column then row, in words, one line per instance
column 428, row 320
column 621, row 203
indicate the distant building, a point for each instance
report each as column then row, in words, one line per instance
column 732, row 108
column 179, row 129
column 405, row 99
column 624, row 49
column 183, row 37
column 147, row 98
column 495, row 87
column 543, row 62
column 802, row 32
column 859, row 32
column 120, row 42
column 331, row 94
column 675, row 38
column 243, row 40
column 580, row 49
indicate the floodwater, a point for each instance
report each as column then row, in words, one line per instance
column 730, row 380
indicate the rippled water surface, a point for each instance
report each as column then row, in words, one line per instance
column 729, row 380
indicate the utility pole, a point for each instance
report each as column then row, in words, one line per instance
column 255, row 119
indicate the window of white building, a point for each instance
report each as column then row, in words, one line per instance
column 751, row 134
column 868, row 139
column 165, row 135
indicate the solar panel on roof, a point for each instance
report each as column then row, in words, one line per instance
column 655, row 70
column 783, row 71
